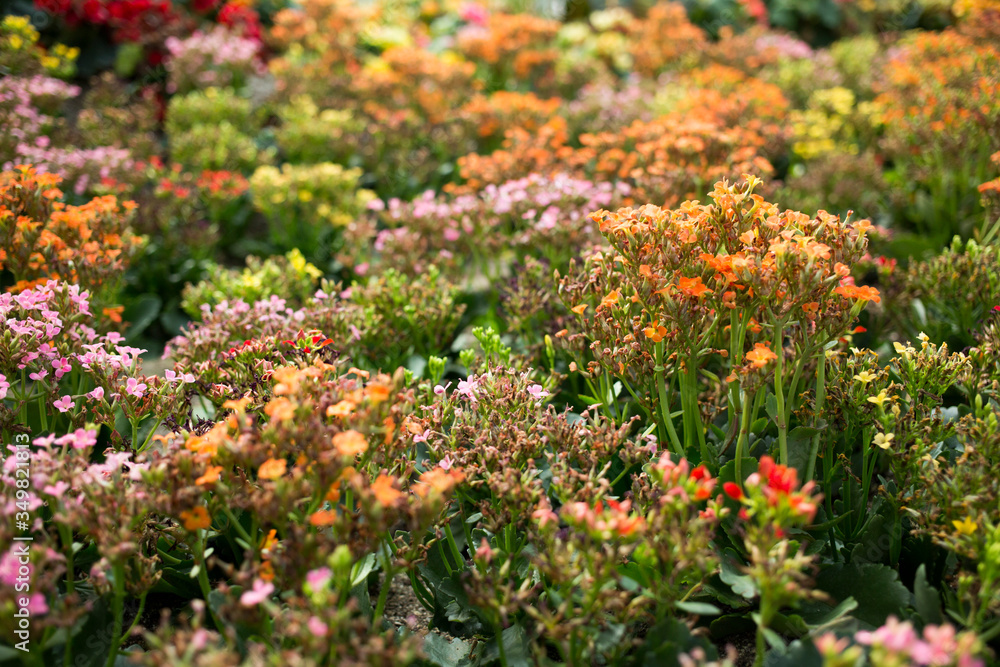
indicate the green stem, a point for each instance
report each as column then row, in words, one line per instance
column 820, row 404
column 741, row 442
column 383, row 594
column 149, row 437
column 454, row 546
column 116, row 612
column 779, row 393
column 237, row 525
column 203, row 583
column 661, row 386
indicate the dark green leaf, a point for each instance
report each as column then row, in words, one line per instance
column 876, row 588
column 699, row 608
column 926, row 598
column 444, row 653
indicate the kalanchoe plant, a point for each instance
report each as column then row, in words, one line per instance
column 58, row 372
column 757, row 291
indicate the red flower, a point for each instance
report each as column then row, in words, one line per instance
column 733, row 490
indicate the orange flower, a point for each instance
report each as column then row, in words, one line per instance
column 341, row 409
column 862, row 293
column 385, row 493
column 377, row 393
column 438, row 480
column 211, row 476
column 269, row 542
column 196, row 518
column 655, row 334
column 237, row 405
column 280, row 409
column 611, row 298
column 350, row 443
column 692, row 286
column 760, row 355
column 322, row 518
column 272, row 469
column 114, row 314
column 579, row 309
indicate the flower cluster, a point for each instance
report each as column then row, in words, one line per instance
column 44, row 238
column 214, row 59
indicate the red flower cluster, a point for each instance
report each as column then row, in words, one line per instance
column 241, row 18
column 772, row 494
column 128, row 20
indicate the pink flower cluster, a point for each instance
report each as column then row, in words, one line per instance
column 218, row 58
column 529, row 214
column 27, row 106
column 898, row 643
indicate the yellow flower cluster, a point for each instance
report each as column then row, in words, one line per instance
column 831, row 123
column 321, row 193
column 19, row 49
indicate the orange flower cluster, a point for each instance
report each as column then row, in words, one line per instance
column 413, row 78
column 504, row 110
column 513, row 45
column 684, row 277
column 664, row 160
column 734, row 99
column 665, row 39
column 44, row 238
column 329, row 28
column 944, row 89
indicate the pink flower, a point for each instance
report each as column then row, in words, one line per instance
column 135, row 388
column 64, row 404
column 537, row 392
column 37, row 605
column 316, row 626
column 97, row 394
column 261, row 591
column 56, row 490
column 467, row 388
column 317, row 579
column 62, row 366
column 422, row 437
column 39, row 376
column 474, row 13
column 446, row 463
column 4, row 386
column 484, row 551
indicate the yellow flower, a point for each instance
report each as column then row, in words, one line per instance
column 965, row 527
column 880, row 399
column 883, row 440
column 904, row 350
column 864, row 377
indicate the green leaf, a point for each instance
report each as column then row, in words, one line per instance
column 821, row 615
column 699, row 608
column 141, row 313
column 730, row 572
column 799, row 444
column 876, row 588
column 771, row 406
column 444, row 653
column 362, row 569
column 731, row 624
column 798, row 654
column 926, row 598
